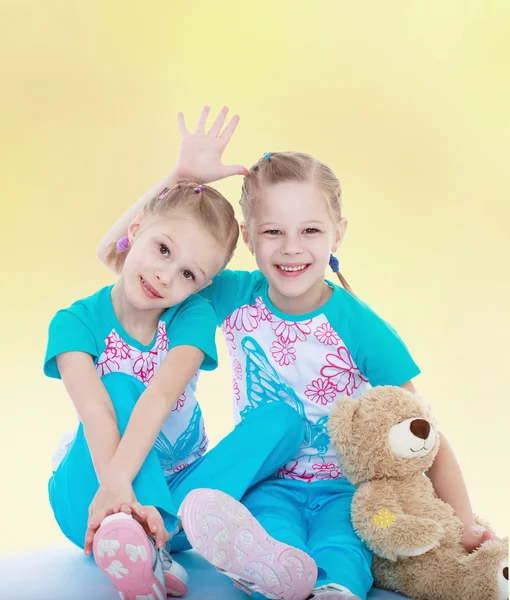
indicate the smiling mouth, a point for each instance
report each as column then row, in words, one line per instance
column 415, row 451
column 149, row 290
column 292, row 270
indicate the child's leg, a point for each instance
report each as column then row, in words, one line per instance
column 74, row 484
column 341, row 556
column 263, row 442
column 280, row 509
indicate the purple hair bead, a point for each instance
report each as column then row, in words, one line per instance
column 199, row 189
column 123, row 244
column 163, row 193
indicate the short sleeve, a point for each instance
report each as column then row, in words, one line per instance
column 194, row 324
column 383, row 357
column 67, row 333
column 229, row 290
column 378, row 351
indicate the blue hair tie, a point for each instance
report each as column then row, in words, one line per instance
column 267, row 155
column 334, row 264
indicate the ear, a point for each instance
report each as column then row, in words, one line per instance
column 247, row 237
column 341, row 422
column 134, row 226
column 339, row 234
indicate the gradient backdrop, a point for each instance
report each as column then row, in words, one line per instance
column 408, row 101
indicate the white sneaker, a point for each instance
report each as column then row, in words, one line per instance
column 129, row 557
column 332, row 591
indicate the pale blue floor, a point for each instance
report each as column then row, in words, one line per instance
column 64, row 573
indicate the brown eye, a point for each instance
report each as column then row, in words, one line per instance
column 164, row 250
column 189, row 275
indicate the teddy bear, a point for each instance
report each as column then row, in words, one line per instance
column 386, row 441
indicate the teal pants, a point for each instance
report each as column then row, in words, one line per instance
column 253, row 451
column 315, row 517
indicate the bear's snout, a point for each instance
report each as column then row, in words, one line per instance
column 420, row 428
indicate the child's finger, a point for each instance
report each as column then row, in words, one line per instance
column 182, row 124
column 218, row 123
column 89, row 538
column 139, row 510
column 125, row 508
column 229, row 129
column 202, row 119
column 161, row 536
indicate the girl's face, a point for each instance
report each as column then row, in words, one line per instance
column 170, row 258
column 292, row 235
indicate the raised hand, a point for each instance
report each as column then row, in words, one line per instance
column 200, row 156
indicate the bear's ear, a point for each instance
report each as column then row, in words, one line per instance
column 341, row 423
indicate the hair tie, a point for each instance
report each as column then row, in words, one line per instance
column 267, row 155
column 334, row 264
column 199, row 189
column 163, row 193
column 123, row 244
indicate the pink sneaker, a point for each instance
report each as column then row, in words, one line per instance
column 129, row 557
column 226, row 534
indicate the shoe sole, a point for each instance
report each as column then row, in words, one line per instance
column 227, row 535
column 124, row 554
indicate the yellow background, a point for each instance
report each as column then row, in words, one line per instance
column 408, row 101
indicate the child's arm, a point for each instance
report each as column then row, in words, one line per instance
column 151, row 411
column 145, row 422
column 449, row 485
column 93, row 406
column 199, row 160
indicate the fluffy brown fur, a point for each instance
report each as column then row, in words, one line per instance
column 385, row 447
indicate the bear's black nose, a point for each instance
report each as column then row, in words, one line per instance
column 420, row 428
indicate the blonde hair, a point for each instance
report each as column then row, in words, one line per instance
column 202, row 203
column 279, row 167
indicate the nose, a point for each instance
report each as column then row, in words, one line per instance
column 292, row 245
column 163, row 278
column 420, row 428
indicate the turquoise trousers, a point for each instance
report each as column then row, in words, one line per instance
column 254, row 450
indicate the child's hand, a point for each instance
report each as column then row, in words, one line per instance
column 200, row 157
column 474, row 536
column 152, row 522
column 109, row 498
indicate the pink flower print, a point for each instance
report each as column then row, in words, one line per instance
column 229, row 337
column 180, row 402
column 203, row 443
column 289, row 471
column 235, row 391
column 180, row 468
column 237, row 368
column 162, row 338
column 284, row 353
column 108, row 365
column 326, row 471
column 144, row 365
column 326, row 335
column 321, row 391
column 291, row 331
column 342, row 372
column 263, row 311
column 116, row 347
column 244, row 318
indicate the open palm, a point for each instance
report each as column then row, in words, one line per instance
column 200, row 156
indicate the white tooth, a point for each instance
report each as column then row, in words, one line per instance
column 292, row 268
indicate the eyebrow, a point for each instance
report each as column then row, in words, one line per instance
column 197, row 267
column 271, row 223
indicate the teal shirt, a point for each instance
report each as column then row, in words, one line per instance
column 341, row 349
column 91, row 326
